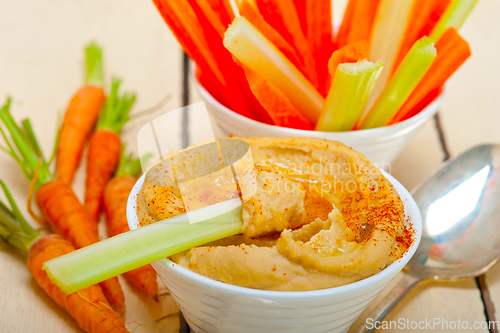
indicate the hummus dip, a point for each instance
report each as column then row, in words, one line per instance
column 323, row 216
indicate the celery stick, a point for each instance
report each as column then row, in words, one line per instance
column 346, row 100
column 454, row 16
column 107, row 258
column 253, row 50
column 388, row 28
column 405, row 79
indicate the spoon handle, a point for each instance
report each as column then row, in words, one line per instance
column 386, row 305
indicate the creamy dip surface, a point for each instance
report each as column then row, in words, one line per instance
column 322, row 216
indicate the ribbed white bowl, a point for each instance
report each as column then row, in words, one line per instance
column 211, row 306
column 380, row 145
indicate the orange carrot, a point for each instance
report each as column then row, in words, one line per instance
column 357, row 22
column 424, row 15
column 320, row 36
column 80, row 117
column 115, row 205
column 350, row 53
column 217, row 13
column 452, row 52
column 281, row 110
column 88, row 307
column 300, row 5
column 216, row 69
column 251, row 13
column 56, row 200
column 104, row 148
column 282, row 15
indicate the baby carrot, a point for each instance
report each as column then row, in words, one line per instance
column 115, row 205
column 283, row 112
column 104, row 147
column 357, row 22
column 88, row 307
column 56, row 200
column 452, row 52
column 81, row 116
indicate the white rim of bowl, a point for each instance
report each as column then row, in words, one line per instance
column 429, row 111
column 391, row 270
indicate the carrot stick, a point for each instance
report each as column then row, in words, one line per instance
column 300, row 6
column 452, row 52
column 320, row 37
column 182, row 20
column 115, row 205
column 217, row 71
column 414, row 66
column 422, row 15
column 282, row 15
column 217, row 12
column 81, row 116
column 357, row 22
column 104, row 148
column 88, row 307
column 56, row 200
column 283, row 112
column 252, row 14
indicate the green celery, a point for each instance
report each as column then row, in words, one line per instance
column 454, row 16
column 405, row 79
column 133, row 249
column 94, row 65
column 348, row 95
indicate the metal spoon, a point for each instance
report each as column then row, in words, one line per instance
column 460, row 206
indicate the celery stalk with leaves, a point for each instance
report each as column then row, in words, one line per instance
column 348, row 95
column 405, row 79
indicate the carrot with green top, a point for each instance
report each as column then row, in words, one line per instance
column 105, row 146
column 115, row 206
column 88, row 307
column 81, row 116
column 56, row 200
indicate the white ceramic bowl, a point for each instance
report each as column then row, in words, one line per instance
column 380, row 145
column 212, row 306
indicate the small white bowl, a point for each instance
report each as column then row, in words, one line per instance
column 212, row 306
column 380, row 145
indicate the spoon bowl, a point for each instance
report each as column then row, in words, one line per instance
column 460, row 221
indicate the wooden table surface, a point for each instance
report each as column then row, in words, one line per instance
column 41, row 67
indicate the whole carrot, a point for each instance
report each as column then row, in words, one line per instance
column 115, row 206
column 104, row 148
column 56, row 200
column 81, row 116
column 88, row 307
